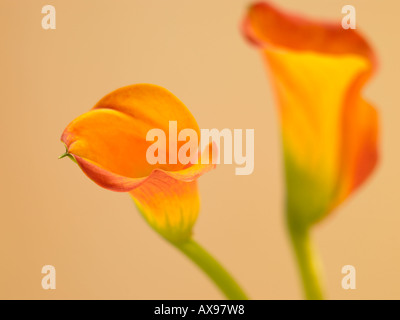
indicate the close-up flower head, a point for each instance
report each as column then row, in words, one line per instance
column 110, row 145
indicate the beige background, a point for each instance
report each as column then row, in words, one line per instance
column 50, row 213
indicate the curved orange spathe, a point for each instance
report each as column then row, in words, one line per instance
column 109, row 144
column 329, row 131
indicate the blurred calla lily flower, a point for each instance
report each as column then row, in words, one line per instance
column 109, row 144
column 329, row 131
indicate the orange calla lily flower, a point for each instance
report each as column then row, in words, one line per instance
column 109, row 144
column 329, row 131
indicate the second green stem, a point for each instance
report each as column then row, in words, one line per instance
column 308, row 263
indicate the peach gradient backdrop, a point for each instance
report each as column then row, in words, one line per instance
column 50, row 213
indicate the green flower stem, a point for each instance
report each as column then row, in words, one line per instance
column 213, row 269
column 308, row 263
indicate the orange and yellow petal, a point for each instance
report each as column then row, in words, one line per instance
column 119, row 183
column 268, row 27
column 113, row 134
column 169, row 201
column 168, row 205
column 329, row 132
